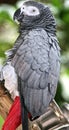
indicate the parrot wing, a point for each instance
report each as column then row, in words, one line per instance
column 37, row 63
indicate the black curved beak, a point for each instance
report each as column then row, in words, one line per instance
column 18, row 15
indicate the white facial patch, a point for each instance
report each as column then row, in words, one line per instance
column 30, row 10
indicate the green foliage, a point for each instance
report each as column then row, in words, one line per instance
column 57, row 3
column 1, row 122
column 4, row 15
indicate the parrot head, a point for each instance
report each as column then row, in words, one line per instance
column 29, row 9
column 34, row 14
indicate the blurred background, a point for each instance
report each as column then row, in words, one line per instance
column 9, row 33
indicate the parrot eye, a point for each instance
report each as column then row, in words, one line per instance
column 34, row 10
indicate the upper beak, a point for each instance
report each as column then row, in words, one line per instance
column 18, row 15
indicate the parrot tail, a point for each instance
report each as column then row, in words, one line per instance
column 24, row 115
column 25, row 119
column 24, row 111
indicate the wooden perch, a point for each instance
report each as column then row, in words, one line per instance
column 53, row 119
column 5, row 101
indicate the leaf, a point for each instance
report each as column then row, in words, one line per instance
column 57, row 3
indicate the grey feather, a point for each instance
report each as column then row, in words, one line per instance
column 43, row 80
column 34, row 104
column 37, row 63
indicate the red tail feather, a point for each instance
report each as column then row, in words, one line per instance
column 13, row 119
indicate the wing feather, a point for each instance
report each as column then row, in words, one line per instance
column 37, row 63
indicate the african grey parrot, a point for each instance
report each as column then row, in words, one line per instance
column 36, row 58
